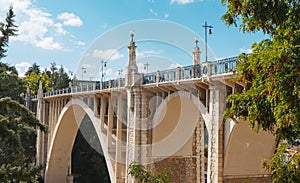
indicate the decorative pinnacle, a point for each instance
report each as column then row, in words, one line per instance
column 131, row 35
column 196, row 41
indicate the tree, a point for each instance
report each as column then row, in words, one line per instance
column 10, row 84
column 32, row 80
column 34, row 68
column 17, row 142
column 7, row 29
column 59, row 78
column 271, row 100
column 139, row 172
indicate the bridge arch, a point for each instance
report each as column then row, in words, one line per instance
column 174, row 122
column 245, row 149
column 64, row 135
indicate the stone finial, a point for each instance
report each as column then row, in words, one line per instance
column 196, row 52
column 41, row 85
column 40, row 91
column 132, row 35
column 28, row 91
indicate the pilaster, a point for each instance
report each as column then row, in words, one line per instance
column 217, row 106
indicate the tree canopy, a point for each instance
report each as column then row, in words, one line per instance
column 10, row 84
column 272, row 70
column 53, row 79
column 271, row 73
column 7, row 29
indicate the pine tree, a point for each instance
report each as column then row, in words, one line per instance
column 7, row 29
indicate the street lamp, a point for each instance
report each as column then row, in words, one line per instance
column 120, row 72
column 83, row 70
column 209, row 32
column 146, row 66
column 103, row 64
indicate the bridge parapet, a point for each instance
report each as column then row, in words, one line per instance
column 206, row 69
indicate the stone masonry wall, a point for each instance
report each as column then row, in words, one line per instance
column 182, row 169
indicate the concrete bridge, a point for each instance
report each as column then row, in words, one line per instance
column 159, row 120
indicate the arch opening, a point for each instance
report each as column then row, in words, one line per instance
column 87, row 163
column 61, row 144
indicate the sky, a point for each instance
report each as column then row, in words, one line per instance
column 80, row 34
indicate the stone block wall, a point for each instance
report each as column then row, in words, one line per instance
column 182, row 169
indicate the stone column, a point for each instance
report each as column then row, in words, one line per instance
column 102, row 112
column 200, row 160
column 217, row 106
column 39, row 115
column 119, row 162
column 28, row 99
column 110, row 124
column 133, row 134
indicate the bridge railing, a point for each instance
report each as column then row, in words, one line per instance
column 223, row 66
column 180, row 73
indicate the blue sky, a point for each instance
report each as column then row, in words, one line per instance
column 65, row 31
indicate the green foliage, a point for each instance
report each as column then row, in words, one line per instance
column 139, row 172
column 10, row 84
column 32, row 81
column 284, row 165
column 272, row 74
column 271, row 99
column 60, row 78
column 17, row 142
column 269, row 16
column 7, row 29
column 53, row 79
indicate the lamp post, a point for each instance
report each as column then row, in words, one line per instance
column 120, row 72
column 103, row 64
column 205, row 26
column 83, row 70
column 146, row 66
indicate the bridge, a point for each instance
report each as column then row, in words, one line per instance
column 162, row 120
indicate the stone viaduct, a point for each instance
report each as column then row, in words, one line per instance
column 159, row 120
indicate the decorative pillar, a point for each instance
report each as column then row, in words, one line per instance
column 110, row 124
column 217, row 106
column 39, row 116
column 133, row 83
column 196, row 53
column 118, row 157
column 28, row 99
column 102, row 112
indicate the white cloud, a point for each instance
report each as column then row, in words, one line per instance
column 247, row 51
column 141, row 67
column 86, row 65
column 35, row 24
column 80, row 43
column 48, row 44
column 182, row 1
column 108, row 72
column 109, row 54
column 70, row 19
column 153, row 12
column 22, row 67
column 147, row 53
column 60, row 29
column 166, row 15
column 173, row 66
